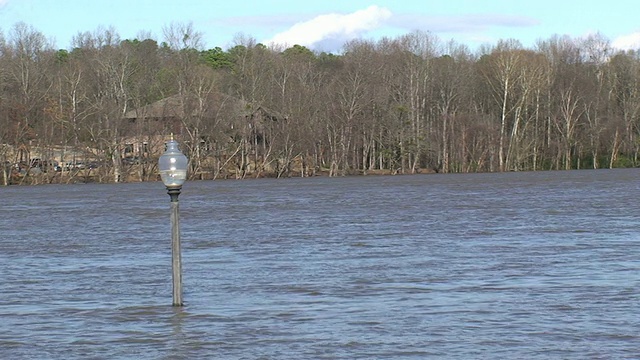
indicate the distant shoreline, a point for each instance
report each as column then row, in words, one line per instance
column 89, row 177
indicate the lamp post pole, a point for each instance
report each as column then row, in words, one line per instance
column 173, row 172
column 176, row 256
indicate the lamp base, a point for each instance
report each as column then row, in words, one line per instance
column 174, row 192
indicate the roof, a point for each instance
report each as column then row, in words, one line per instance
column 215, row 104
column 174, row 106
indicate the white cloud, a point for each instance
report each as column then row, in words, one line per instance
column 330, row 31
column 628, row 42
column 3, row 3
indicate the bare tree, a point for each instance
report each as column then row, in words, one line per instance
column 503, row 74
column 28, row 54
column 451, row 77
column 182, row 36
column 624, row 75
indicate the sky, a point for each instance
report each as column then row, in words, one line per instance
column 326, row 24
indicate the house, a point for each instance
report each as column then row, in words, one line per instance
column 191, row 117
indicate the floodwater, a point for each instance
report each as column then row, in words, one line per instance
column 524, row 265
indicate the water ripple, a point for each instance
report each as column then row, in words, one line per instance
column 518, row 265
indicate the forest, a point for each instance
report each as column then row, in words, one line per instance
column 403, row 105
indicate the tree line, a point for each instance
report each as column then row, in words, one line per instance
column 398, row 105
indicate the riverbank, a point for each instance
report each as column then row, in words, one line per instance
column 140, row 174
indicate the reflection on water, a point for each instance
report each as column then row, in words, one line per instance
column 518, row 265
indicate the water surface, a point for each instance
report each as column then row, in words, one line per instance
column 515, row 265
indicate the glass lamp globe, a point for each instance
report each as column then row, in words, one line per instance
column 173, row 165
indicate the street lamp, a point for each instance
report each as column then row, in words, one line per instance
column 173, row 172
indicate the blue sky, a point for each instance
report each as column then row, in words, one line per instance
column 325, row 25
